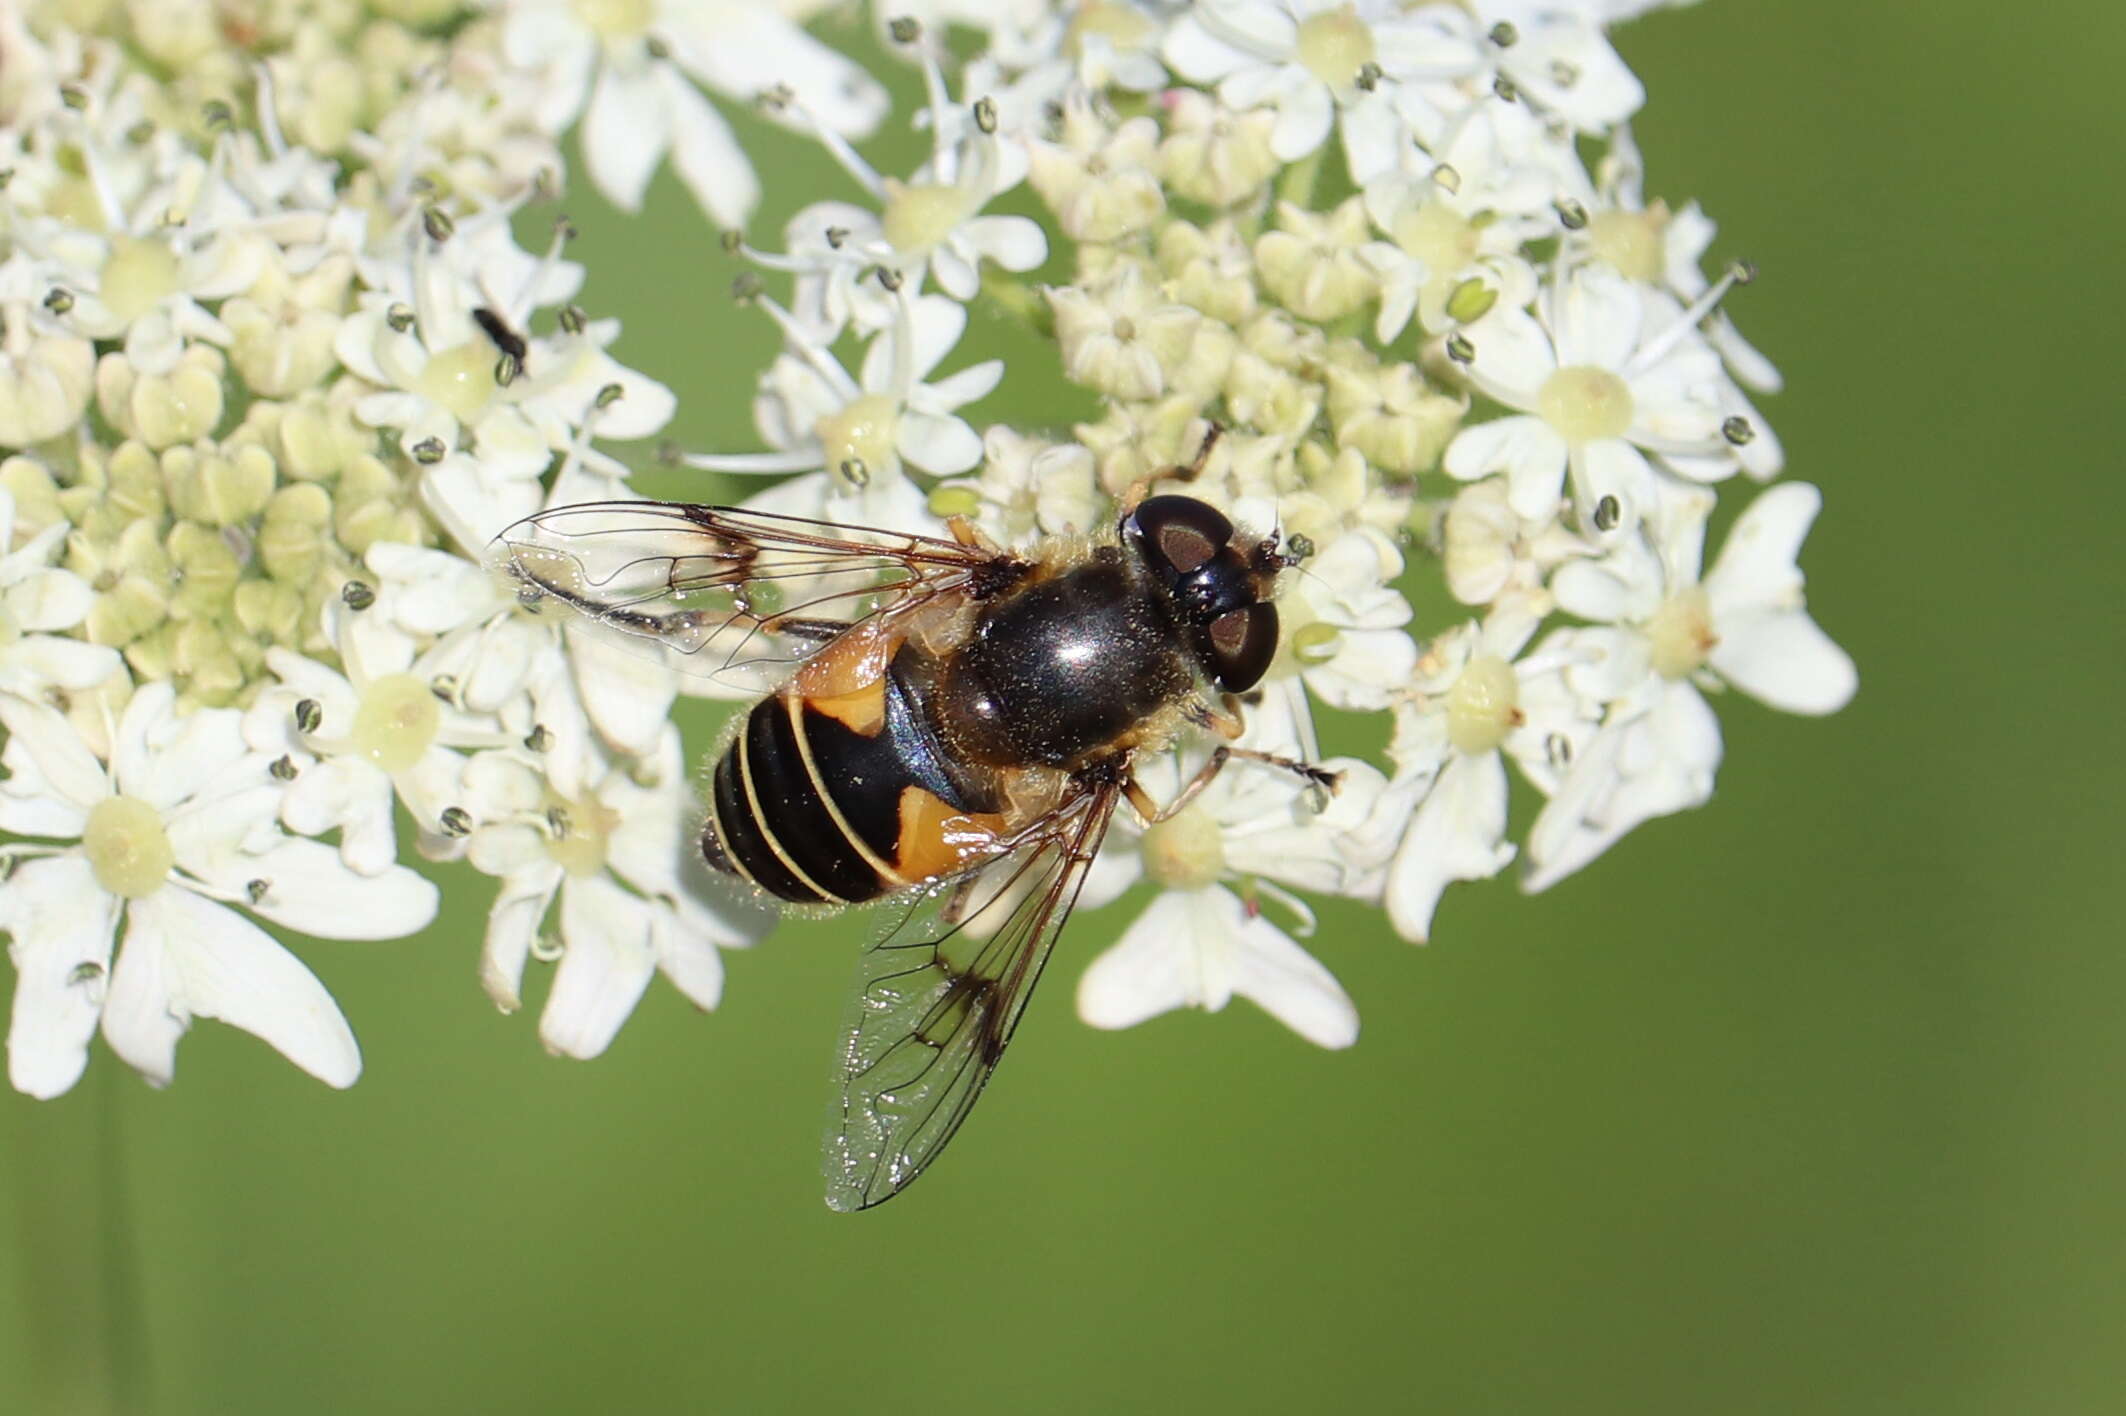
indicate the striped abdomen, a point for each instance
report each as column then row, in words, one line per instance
column 839, row 797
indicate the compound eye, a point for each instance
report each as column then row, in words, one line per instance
column 1179, row 534
column 1239, row 645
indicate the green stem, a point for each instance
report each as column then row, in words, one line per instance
column 1018, row 302
column 79, row 1285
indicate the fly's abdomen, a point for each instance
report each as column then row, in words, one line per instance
column 837, row 799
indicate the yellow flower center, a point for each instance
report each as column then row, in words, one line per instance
column 617, row 19
column 461, row 378
column 1438, row 235
column 1334, row 45
column 586, row 831
column 127, row 848
column 918, row 215
column 861, row 434
column 1681, row 633
column 396, row 721
column 138, row 276
column 1186, row 852
column 1585, row 403
column 1484, row 705
column 1632, row 241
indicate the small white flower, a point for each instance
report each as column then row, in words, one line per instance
column 353, row 741
column 863, row 429
column 1472, row 701
column 638, row 61
column 179, row 823
column 1311, row 59
column 1601, row 379
column 614, row 842
column 1027, row 488
column 1343, row 623
column 1661, row 635
column 1200, row 942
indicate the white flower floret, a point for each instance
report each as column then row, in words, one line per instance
column 156, row 846
column 1342, row 623
column 864, row 429
column 350, row 742
column 1600, row 379
column 1202, row 941
column 933, row 224
column 1472, row 699
column 1652, row 244
column 1489, row 551
column 1661, row 635
column 638, row 62
column 47, row 372
column 1314, row 59
column 612, row 840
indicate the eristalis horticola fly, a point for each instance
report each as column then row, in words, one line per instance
column 949, row 722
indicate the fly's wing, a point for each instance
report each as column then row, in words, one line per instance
column 939, row 997
column 721, row 591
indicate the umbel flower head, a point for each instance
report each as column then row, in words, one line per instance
column 1383, row 279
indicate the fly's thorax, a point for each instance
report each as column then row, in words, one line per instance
column 1062, row 668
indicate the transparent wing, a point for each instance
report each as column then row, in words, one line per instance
column 939, row 997
column 721, row 591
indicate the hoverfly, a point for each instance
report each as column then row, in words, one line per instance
column 942, row 720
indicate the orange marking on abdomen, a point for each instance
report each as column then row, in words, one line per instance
column 937, row 839
column 847, row 680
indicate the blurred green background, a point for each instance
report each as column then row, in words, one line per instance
column 1808, row 1101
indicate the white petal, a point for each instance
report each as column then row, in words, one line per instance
column 59, row 921
column 1303, row 121
column 185, row 958
column 688, row 957
column 607, row 962
column 624, row 135
column 1458, row 834
column 707, row 157
column 1758, row 565
column 311, row 890
column 1017, row 243
column 1782, row 658
column 628, row 695
column 48, row 599
column 43, row 748
column 942, row 445
column 1150, row 970
column 512, row 925
column 1291, row 985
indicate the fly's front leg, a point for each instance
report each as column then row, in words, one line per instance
column 1142, row 487
column 1151, row 813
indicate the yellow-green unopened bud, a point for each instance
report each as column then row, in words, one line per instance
column 207, row 571
column 202, row 655
column 220, row 489
column 36, row 494
column 954, row 500
column 291, row 539
column 1471, row 299
column 138, row 276
column 179, row 406
column 133, row 481
column 267, row 609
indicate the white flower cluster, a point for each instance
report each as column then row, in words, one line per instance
column 273, row 369
column 1358, row 238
